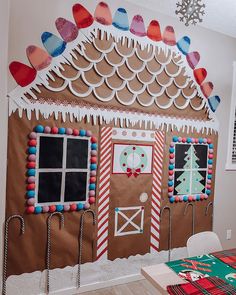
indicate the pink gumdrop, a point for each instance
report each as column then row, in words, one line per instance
column 208, row 180
column 172, row 144
column 89, row 133
column 93, row 173
column 47, row 129
column 33, row 135
column 172, row 161
column 206, row 197
column 31, row 201
column 92, row 193
column 66, row 208
column 170, row 194
column 31, row 179
column 181, row 198
column 86, row 206
column 171, row 177
column 193, row 140
column 179, row 139
column 69, row 131
column 210, row 166
column 32, row 158
column 204, row 140
column 210, row 156
column 45, row 209
column 209, row 171
column 211, row 151
column 194, row 198
column 94, row 153
column 208, row 186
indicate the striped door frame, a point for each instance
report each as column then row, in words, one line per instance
column 104, row 191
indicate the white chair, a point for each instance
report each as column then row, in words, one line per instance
column 203, row 243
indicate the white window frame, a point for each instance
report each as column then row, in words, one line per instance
column 229, row 164
column 63, row 170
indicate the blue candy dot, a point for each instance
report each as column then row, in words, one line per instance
column 170, row 183
column 32, row 150
column 31, row 172
column 93, row 167
column 80, row 206
column 211, row 146
column 198, row 198
column 209, row 176
column 62, row 130
column 208, row 192
column 210, row 161
column 31, row 194
column 82, row 132
column 92, row 186
column 185, row 198
column 39, row 129
column 175, row 138
column 93, row 146
column 38, row 210
column 117, row 210
column 59, row 208
column 171, row 150
column 172, row 199
column 200, row 140
column 171, row 167
column 189, row 140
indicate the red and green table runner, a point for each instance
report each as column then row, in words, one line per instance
column 227, row 256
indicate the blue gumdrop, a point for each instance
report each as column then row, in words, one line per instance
column 170, row 183
column 209, row 176
column 175, row 138
column 31, row 172
column 171, row 150
column 189, row 140
column 198, row 198
column 117, row 209
column 62, row 130
column 38, row 210
column 211, row 145
column 80, row 206
column 53, row 44
column 94, row 146
column 82, row 132
column 172, row 199
column 185, row 198
column 92, row 186
column 208, row 192
column 171, row 167
column 59, row 208
column 39, row 129
column 30, row 194
column 93, row 166
column 120, row 19
column 200, row 140
column 214, row 102
column 210, row 162
column 183, row 45
column 32, row 150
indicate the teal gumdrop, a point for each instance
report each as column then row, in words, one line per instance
column 208, row 192
column 175, row 138
column 80, row 206
column 172, row 199
column 184, row 44
column 31, row 172
column 62, row 130
column 53, row 44
column 189, row 140
column 93, row 167
column 32, row 150
column 200, row 140
column 82, row 132
column 171, row 167
column 39, row 129
column 211, row 145
column 38, row 210
column 198, row 198
column 171, row 150
column 170, row 183
column 93, row 146
column 30, row 194
column 214, row 102
column 120, row 20
column 209, row 176
column 59, row 208
column 210, row 162
column 185, row 198
column 92, row 186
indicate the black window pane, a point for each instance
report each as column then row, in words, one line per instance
column 181, row 151
column 75, row 186
column 51, row 152
column 77, row 153
column 201, row 153
column 49, row 189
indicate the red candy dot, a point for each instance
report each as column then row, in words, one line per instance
column 177, row 199
column 208, row 186
column 52, row 208
column 171, row 172
column 209, row 171
column 32, row 142
column 73, row 207
column 30, row 209
column 124, row 165
column 170, row 189
column 209, row 140
column 93, row 139
column 202, row 197
column 30, row 187
column 31, row 165
column 190, row 198
column 172, row 156
column 92, row 200
column 94, row 160
column 75, row 132
column 184, row 139
column 210, row 156
column 92, row 179
column 196, row 140
column 142, row 155
column 54, row 131
column 134, row 148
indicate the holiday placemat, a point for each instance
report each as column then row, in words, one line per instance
column 195, row 268
column 205, row 286
column 227, row 256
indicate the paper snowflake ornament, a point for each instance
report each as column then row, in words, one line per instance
column 190, row 11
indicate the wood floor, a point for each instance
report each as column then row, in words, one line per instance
column 142, row 287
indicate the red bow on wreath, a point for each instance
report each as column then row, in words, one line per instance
column 134, row 172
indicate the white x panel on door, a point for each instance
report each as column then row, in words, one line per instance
column 134, row 222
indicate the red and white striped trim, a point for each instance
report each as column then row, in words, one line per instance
column 104, row 191
column 156, row 190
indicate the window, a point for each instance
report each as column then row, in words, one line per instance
column 64, row 165
column 190, row 169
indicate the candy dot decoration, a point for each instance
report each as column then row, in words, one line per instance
column 32, row 206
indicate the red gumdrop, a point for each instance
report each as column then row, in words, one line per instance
column 92, row 179
column 75, row 132
column 170, row 189
column 30, row 187
column 52, row 208
column 73, row 207
column 171, row 172
column 54, row 130
column 177, row 199
column 93, row 139
column 94, row 160
column 210, row 156
column 30, row 209
column 31, row 165
column 202, row 197
column 32, row 142
column 190, row 198
column 172, row 156
column 92, row 200
column 209, row 171
column 184, row 139
column 209, row 140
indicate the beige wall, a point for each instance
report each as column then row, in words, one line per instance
column 29, row 18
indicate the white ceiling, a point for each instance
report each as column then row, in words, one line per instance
column 220, row 14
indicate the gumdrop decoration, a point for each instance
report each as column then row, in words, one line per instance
column 207, row 88
column 154, row 31
column 120, row 20
column 200, row 75
column 214, row 102
column 23, row 74
column 193, row 59
column 82, row 16
column 103, row 14
column 38, row 57
column 137, row 26
column 190, row 11
column 53, row 44
column 66, row 29
column 184, row 44
column 169, row 36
